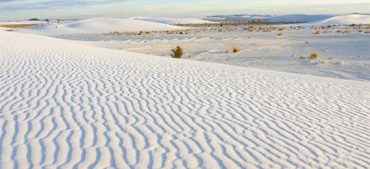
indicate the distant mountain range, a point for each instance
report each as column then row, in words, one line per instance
column 301, row 18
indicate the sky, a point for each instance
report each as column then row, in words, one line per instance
column 70, row 9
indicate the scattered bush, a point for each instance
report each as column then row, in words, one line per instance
column 19, row 25
column 280, row 34
column 314, row 56
column 34, row 19
column 236, row 49
column 177, row 52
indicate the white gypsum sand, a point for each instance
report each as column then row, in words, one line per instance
column 343, row 50
column 102, row 26
column 22, row 22
column 74, row 106
column 341, row 55
column 173, row 21
column 348, row 19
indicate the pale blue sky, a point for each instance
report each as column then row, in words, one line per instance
column 24, row 9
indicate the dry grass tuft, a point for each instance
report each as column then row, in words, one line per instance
column 177, row 52
column 236, row 49
column 314, row 56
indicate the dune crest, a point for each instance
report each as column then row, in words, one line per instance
column 104, row 25
column 348, row 19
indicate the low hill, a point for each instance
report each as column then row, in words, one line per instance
column 173, row 21
column 104, row 25
column 273, row 18
column 348, row 19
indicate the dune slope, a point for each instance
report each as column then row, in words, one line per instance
column 73, row 106
column 173, row 21
column 103, row 25
column 348, row 19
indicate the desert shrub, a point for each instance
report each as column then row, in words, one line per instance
column 19, row 25
column 317, row 33
column 236, row 49
column 314, row 56
column 280, row 34
column 177, row 52
column 34, row 19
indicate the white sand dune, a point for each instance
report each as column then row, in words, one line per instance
column 173, row 21
column 22, row 22
column 103, row 25
column 348, row 19
column 73, row 106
